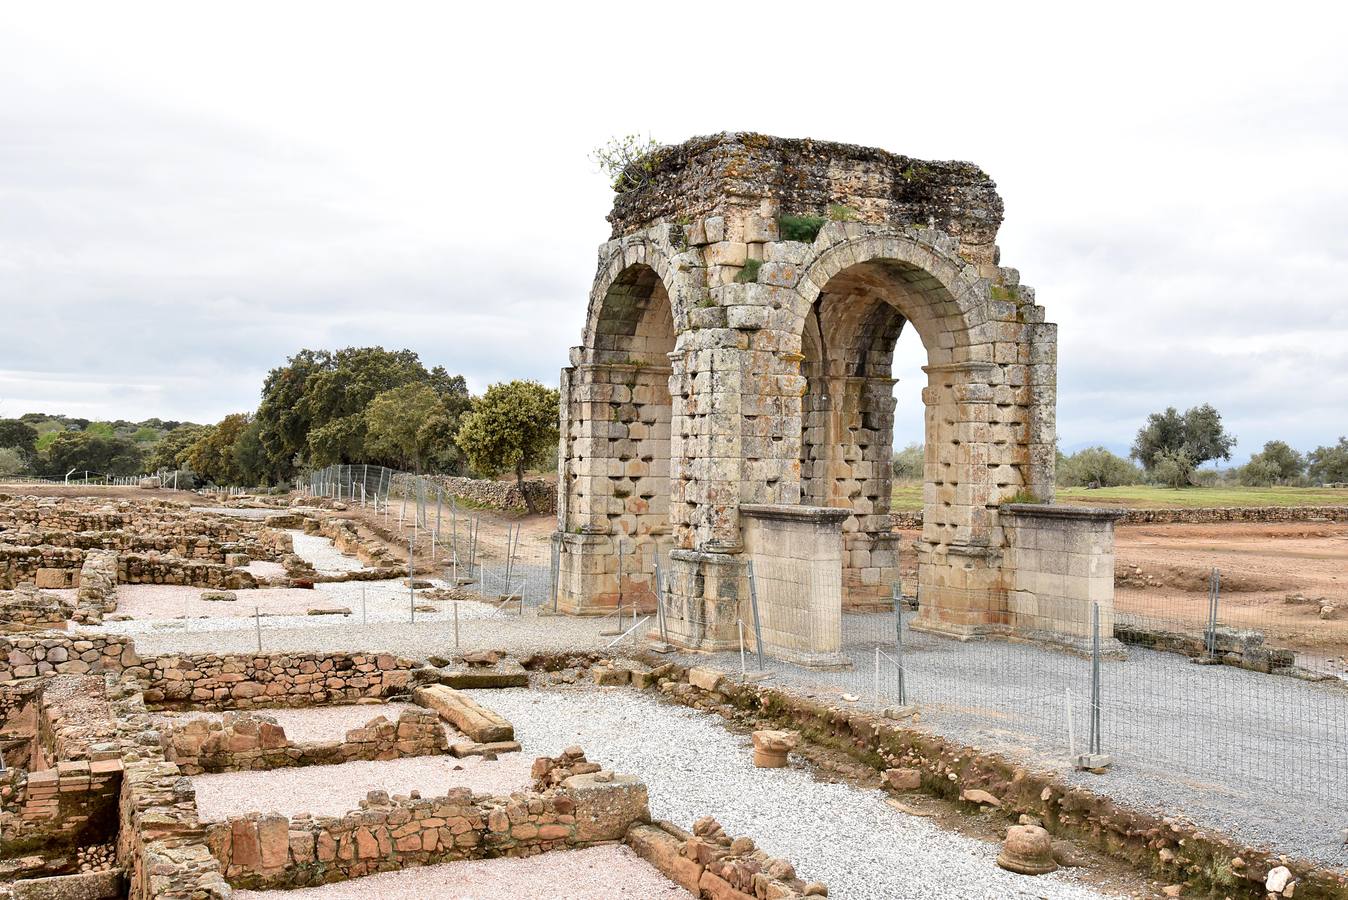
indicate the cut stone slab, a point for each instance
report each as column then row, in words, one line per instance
column 472, row 748
column 219, row 596
column 334, row 611
column 465, row 714
column 506, row 673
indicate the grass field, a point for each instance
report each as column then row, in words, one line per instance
column 908, row 496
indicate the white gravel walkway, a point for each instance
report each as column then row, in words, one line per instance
column 337, row 790
column 321, row 723
column 847, row 837
column 320, row 553
column 597, row 873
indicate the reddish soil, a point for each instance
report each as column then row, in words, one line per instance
column 1261, row 565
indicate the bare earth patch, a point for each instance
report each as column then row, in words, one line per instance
column 337, row 790
column 596, row 873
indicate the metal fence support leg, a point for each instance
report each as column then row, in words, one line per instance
column 753, row 604
column 898, row 641
column 660, row 602
column 1095, row 760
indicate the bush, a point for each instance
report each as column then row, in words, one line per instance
column 909, row 462
column 1096, row 467
column 12, row 461
column 800, row 228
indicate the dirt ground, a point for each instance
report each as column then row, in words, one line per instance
column 113, row 492
column 1163, row 571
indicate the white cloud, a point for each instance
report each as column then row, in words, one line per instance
column 187, row 196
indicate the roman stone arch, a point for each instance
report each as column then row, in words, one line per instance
column 774, row 277
column 614, row 461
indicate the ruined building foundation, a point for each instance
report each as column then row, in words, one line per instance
column 732, row 400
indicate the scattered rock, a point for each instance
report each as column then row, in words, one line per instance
column 329, row 611
column 903, row 779
column 983, row 798
column 1066, row 855
column 1277, row 879
column 219, row 596
column 908, row 810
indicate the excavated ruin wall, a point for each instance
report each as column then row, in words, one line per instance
column 500, row 494
column 912, row 521
column 210, row 681
column 272, row 851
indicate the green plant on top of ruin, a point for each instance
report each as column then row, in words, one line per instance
column 800, row 228
column 840, row 213
column 749, row 274
column 1000, row 292
column 1022, row 496
column 628, row 161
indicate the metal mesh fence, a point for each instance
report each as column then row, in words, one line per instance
column 1158, row 709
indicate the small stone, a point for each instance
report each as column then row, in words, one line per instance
column 1277, row 879
column 1172, row 890
column 982, row 798
column 903, row 779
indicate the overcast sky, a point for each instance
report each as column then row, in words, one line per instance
column 190, row 193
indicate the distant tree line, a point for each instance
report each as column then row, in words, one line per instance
column 1170, row 448
column 350, row 406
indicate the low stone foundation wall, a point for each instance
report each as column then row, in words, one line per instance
column 500, row 494
column 1198, row 515
column 154, row 568
column 710, row 863
column 208, row 681
column 272, row 851
column 248, row 741
column 1235, row 647
column 27, row 609
column 47, row 567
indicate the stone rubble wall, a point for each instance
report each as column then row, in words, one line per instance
column 710, row 863
column 54, row 568
column 912, row 521
column 152, row 568
column 210, row 681
column 249, row 741
column 28, row 609
column 500, row 494
column 273, row 851
column 97, row 594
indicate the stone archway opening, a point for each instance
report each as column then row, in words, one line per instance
column 617, row 438
column 847, row 414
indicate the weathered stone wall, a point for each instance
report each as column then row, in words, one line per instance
column 47, row 567
column 727, row 175
column 247, row 741
column 710, row 863
column 272, row 851
column 97, row 594
column 76, row 653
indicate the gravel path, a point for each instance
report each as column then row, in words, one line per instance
column 320, row 553
column 596, row 873
column 847, row 837
column 1257, row 757
column 337, row 790
column 320, row 723
column 480, row 626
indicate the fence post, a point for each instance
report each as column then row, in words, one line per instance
column 1214, row 593
column 557, row 572
column 257, row 619
column 411, row 579
column 898, row 641
column 753, row 603
column 660, row 600
column 1095, row 760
